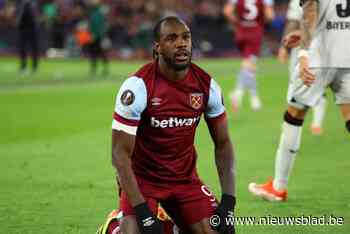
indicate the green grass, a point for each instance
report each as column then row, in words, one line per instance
column 55, row 169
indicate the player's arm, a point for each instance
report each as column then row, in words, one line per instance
column 228, row 12
column 308, row 21
column 130, row 103
column 224, row 156
column 122, row 149
column 292, row 28
column 308, row 25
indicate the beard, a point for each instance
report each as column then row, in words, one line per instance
column 171, row 62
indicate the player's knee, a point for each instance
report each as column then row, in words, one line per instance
column 202, row 227
column 347, row 125
column 249, row 64
column 292, row 119
column 298, row 112
column 207, row 230
column 128, row 225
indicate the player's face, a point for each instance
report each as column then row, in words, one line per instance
column 175, row 45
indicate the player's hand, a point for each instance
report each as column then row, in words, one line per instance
column 304, row 71
column 146, row 220
column 225, row 211
column 292, row 39
column 283, row 54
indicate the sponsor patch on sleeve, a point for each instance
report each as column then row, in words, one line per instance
column 127, row 98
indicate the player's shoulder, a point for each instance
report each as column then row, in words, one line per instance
column 133, row 83
column 146, row 71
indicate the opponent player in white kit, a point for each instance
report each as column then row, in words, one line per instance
column 294, row 14
column 323, row 61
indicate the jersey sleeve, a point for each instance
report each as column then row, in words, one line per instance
column 294, row 12
column 215, row 106
column 130, row 102
column 232, row 1
column 269, row 2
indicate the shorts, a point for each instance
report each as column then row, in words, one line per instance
column 338, row 79
column 185, row 203
column 249, row 44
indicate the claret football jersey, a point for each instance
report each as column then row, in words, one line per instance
column 250, row 13
column 164, row 114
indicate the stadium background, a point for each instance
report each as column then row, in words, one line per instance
column 130, row 24
column 55, row 170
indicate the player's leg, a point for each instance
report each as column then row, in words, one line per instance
column 112, row 224
column 93, row 53
column 318, row 115
column 251, row 82
column 246, row 81
column 22, row 45
column 276, row 189
column 319, row 109
column 104, row 55
column 252, row 53
column 190, row 207
column 100, row 53
column 289, row 146
column 345, row 109
column 128, row 225
column 201, row 227
column 302, row 97
column 34, row 44
column 341, row 89
column 236, row 95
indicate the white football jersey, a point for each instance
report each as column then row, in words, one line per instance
column 330, row 44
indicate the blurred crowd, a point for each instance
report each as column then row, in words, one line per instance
column 64, row 25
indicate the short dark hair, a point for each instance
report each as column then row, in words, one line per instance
column 157, row 27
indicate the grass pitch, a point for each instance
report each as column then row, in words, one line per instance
column 56, row 174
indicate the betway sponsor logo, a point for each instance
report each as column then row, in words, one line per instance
column 173, row 122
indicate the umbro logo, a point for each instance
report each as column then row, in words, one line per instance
column 156, row 101
column 148, row 222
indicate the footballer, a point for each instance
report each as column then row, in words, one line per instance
column 323, row 61
column 157, row 111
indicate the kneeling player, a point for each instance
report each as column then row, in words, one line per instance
column 156, row 115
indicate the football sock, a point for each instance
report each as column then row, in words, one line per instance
column 238, row 92
column 348, row 125
column 251, row 84
column 287, row 150
column 319, row 112
column 237, row 96
column 249, row 80
column 112, row 226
